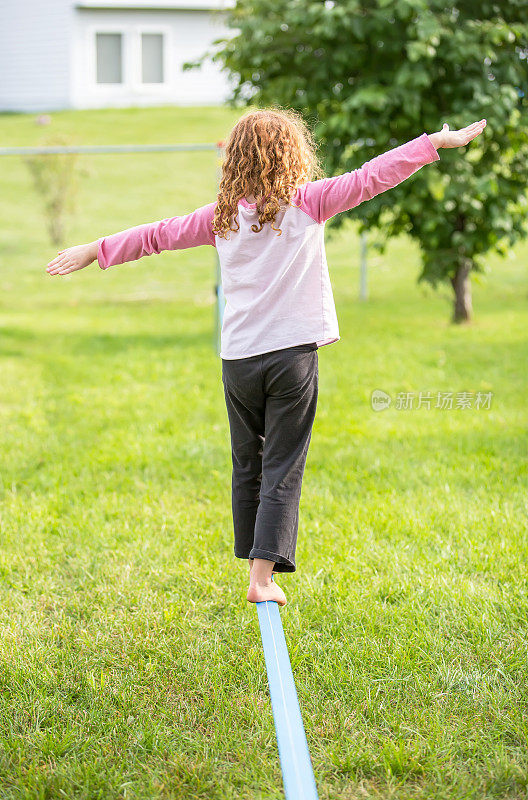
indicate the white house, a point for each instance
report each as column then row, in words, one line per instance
column 57, row 54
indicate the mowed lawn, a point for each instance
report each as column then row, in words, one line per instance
column 130, row 661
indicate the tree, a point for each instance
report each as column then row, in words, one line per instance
column 55, row 177
column 371, row 76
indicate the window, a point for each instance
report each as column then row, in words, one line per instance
column 152, row 58
column 109, row 57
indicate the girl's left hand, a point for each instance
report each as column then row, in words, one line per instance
column 447, row 138
column 73, row 258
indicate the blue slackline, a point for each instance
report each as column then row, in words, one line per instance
column 297, row 772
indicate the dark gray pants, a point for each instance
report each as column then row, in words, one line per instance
column 271, row 401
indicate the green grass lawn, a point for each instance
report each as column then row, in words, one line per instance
column 130, row 661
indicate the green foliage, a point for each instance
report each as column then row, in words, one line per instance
column 382, row 73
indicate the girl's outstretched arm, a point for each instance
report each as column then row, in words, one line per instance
column 327, row 197
column 173, row 233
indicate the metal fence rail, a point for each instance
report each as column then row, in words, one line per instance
column 104, row 148
column 119, row 149
column 122, row 149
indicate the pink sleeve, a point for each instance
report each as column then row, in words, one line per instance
column 324, row 198
column 173, row 233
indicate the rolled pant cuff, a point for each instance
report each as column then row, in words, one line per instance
column 281, row 564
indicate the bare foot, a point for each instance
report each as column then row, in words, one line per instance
column 258, row 592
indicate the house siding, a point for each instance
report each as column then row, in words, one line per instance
column 47, row 55
column 188, row 34
column 35, row 47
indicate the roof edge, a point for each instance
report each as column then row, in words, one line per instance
column 156, row 5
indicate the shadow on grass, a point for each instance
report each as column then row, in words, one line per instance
column 11, row 337
column 20, row 342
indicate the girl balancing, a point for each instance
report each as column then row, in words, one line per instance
column 267, row 224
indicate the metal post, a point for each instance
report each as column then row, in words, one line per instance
column 220, row 305
column 220, row 299
column 363, row 267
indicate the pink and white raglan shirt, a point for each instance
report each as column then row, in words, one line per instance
column 277, row 287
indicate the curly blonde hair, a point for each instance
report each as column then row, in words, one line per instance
column 268, row 153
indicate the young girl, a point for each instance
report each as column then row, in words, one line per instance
column 267, row 225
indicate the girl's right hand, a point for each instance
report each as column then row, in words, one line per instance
column 73, row 258
column 447, row 138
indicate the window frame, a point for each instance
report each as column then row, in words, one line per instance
column 109, row 29
column 164, row 32
column 132, row 57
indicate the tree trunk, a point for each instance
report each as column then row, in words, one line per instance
column 461, row 283
column 56, row 230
